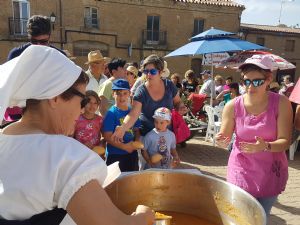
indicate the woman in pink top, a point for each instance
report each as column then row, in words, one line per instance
column 88, row 125
column 262, row 122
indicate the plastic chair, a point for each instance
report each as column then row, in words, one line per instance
column 213, row 125
column 293, row 148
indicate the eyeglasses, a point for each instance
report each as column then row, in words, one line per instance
column 152, row 72
column 85, row 100
column 39, row 42
column 255, row 82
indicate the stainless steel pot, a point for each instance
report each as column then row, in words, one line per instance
column 203, row 196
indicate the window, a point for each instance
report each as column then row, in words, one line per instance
column 290, row 45
column 260, row 41
column 198, row 26
column 20, row 17
column 152, row 29
column 82, row 48
column 91, row 17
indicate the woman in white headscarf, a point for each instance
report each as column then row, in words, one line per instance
column 42, row 171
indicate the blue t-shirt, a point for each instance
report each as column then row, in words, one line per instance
column 113, row 118
column 149, row 105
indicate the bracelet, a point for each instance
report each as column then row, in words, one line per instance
column 268, row 147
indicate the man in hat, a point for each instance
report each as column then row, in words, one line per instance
column 208, row 86
column 96, row 69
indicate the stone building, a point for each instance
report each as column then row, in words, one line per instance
column 281, row 40
column 131, row 29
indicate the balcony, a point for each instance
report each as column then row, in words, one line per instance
column 17, row 26
column 154, row 39
column 90, row 22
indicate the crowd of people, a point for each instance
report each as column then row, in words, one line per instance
column 55, row 115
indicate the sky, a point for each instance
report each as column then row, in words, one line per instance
column 266, row 12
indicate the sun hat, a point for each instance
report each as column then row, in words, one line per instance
column 133, row 70
column 95, row 56
column 120, row 84
column 274, row 84
column 262, row 61
column 206, row 72
column 162, row 113
column 165, row 72
column 68, row 54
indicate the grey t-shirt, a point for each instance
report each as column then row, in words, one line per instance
column 149, row 105
column 162, row 143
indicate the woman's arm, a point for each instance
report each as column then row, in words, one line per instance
column 284, row 126
column 224, row 136
column 297, row 118
column 91, row 205
column 176, row 99
column 129, row 121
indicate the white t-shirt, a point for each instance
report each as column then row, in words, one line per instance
column 93, row 84
column 39, row 172
column 208, row 88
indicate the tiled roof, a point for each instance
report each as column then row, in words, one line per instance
column 213, row 2
column 270, row 28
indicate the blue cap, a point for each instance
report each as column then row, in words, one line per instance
column 120, row 84
column 206, row 72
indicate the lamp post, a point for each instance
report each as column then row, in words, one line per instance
column 281, row 4
column 52, row 19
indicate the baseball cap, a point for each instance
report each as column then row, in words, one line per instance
column 206, row 72
column 262, row 61
column 162, row 113
column 120, row 84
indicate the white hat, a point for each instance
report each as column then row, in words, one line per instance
column 262, row 61
column 162, row 113
column 40, row 72
column 165, row 72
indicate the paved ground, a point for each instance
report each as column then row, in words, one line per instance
column 213, row 161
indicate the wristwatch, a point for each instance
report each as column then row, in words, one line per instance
column 268, row 147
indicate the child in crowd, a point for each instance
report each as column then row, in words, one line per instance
column 180, row 128
column 124, row 152
column 160, row 143
column 88, row 126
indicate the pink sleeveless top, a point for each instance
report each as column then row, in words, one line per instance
column 262, row 174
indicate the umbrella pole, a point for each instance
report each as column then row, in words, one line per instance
column 213, row 81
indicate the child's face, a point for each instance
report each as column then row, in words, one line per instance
column 161, row 125
column 182, row 109
column 121, row 97
column 92, row 106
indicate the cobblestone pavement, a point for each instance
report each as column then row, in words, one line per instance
column 213, row 161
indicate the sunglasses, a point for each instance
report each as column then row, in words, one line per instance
column 152, row 72
column 85, row 100
column 255, row 82
column 39, row 42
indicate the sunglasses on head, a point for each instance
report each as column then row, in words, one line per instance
column 85, row 100
column 255, row 82
column 39, row 42
column 152, row 72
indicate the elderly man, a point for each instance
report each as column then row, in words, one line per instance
column 208, row 88
column 96, row 69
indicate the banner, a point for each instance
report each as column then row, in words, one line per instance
column 214, row 58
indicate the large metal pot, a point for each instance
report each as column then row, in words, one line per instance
column 178, row 191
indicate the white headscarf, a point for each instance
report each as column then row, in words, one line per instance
column 40, row 72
